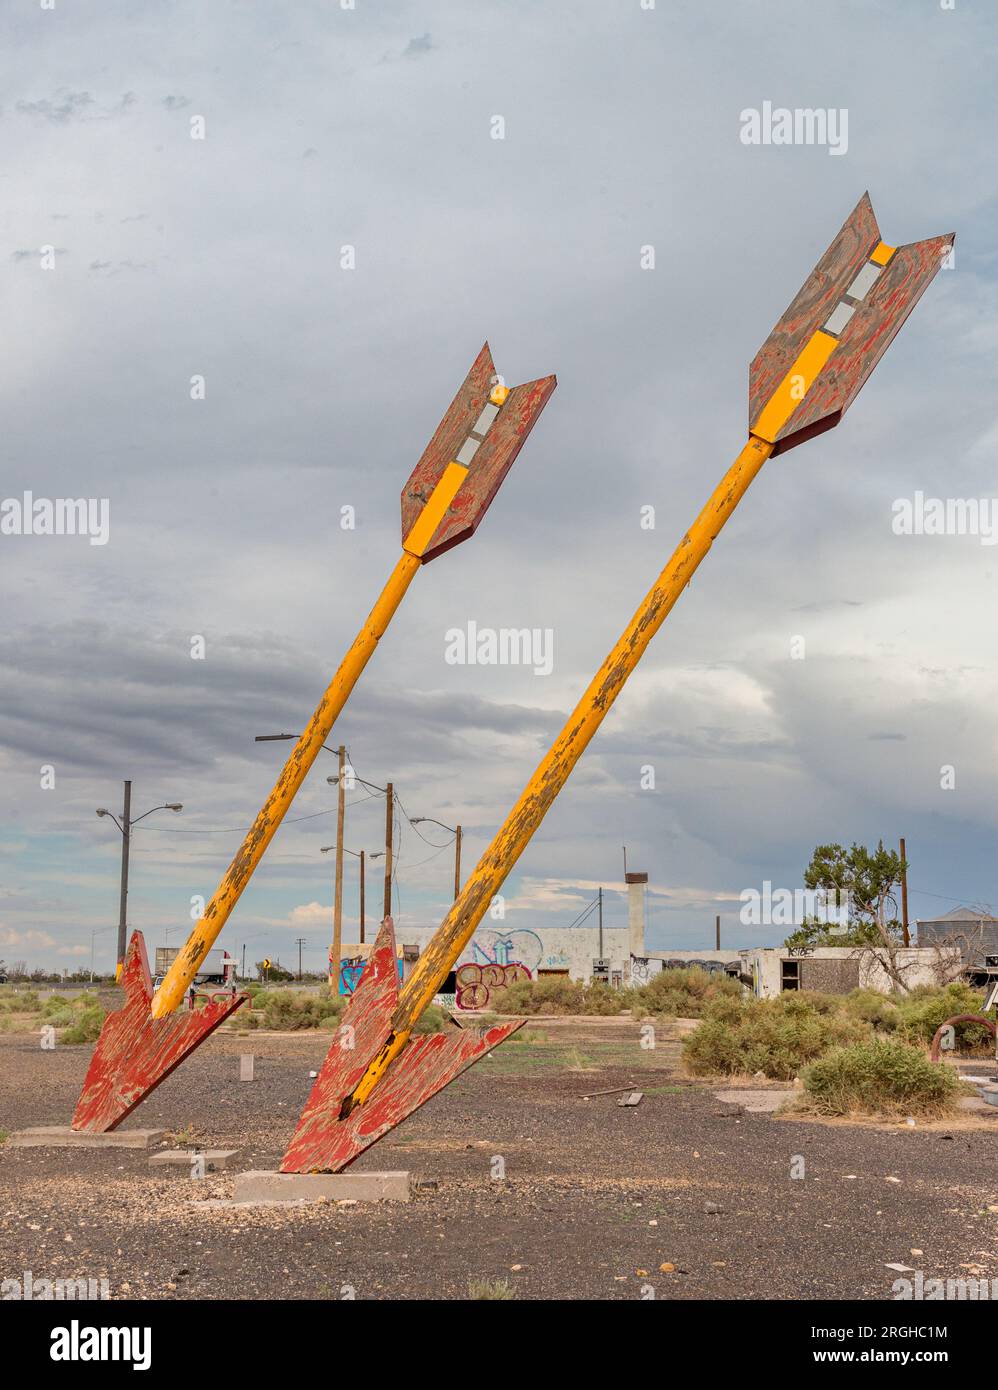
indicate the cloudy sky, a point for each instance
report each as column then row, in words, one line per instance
column 220, row 257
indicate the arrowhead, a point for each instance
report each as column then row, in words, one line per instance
column 324, row 1141
column 135, row 1051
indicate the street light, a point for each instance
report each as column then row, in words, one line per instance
column 455, row 830
column 125, row 826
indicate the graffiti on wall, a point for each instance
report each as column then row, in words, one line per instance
column 477, row 984
column 518, row 947
column 644, row 967
column 351, row 971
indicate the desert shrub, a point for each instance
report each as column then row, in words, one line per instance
column 683, row 993
column 553, row 994
column 288, row 1011
column 23, row 1001
column 480, row 1290
column 927, row 1006
column 62, row 1017
column 773, row 1036
column 603, row 1001
column 86, row 1025
column 877, row 1009
column 432, row 1020
column 883, row 1076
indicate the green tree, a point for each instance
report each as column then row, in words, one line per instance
column 868, row 881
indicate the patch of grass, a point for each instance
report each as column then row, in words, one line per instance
column 183, row 1138
column 482, row 1289
column 883, row 1076
column 4, row 1135
column 18, row 1001
column 773, row 1036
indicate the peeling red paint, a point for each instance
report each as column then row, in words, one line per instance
column 135, row 1051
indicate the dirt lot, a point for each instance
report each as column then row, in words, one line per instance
column 595, row 1199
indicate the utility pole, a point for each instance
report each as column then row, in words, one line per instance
column 341, row 753
column 243, row 972
column 125, row 826
column 362, row 897
column 904, row 896
column 601, row 924
column 126, row 837
column 717, row 933
column 299, row 942
column 454, row 830
column 389, row 829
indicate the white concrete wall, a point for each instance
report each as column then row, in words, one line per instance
column 765, row 965
column 502, row 947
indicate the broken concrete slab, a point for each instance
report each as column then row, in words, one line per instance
column 214, row 1159
column 632, row 1098
column 266, row 1186
column 758, row 1102
column 65, row 1137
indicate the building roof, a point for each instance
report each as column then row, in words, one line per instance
column 961, row 914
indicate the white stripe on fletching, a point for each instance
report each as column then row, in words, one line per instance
column 864, row 281
column 840, row 316
column 481, row 425
column 470, row 446
column 468, row 450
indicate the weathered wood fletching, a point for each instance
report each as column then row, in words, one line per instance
column 135, row 1052
column 326, row 1142
column 866, row 336
column 491, row 463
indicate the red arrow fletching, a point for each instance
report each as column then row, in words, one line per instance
column 491, row 461
column 870, row 323
column 324, row 1140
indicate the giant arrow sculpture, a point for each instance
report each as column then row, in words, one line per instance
column 802, row 380
column 442, row 503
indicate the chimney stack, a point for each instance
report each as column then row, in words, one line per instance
column 636, row 885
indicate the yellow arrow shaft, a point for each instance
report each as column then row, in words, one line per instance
column 473, row 902
column 199, row 943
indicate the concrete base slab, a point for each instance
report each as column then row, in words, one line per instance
column 216, row 1159
column 261, row 1186
column 975, row 1103
column 755, row 1101
column 65, row 1137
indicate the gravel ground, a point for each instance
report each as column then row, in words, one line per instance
column 596, row 1198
